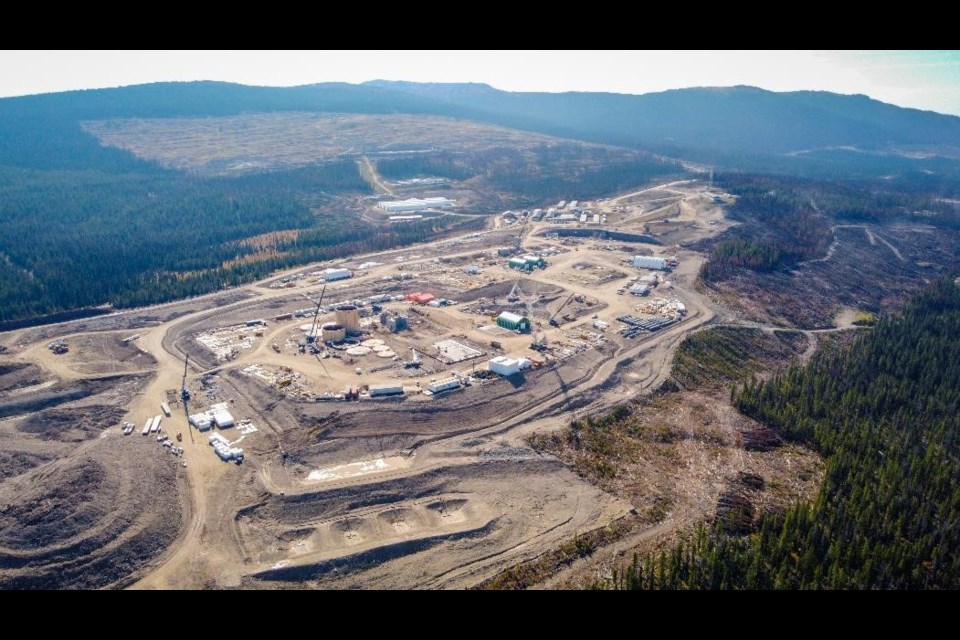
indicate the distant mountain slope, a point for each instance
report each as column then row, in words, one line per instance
column 738, row 127
column 730, row 121
column 43, row 131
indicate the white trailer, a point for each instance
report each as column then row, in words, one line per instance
column 165, row 408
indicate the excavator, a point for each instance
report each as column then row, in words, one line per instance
column 553, row 319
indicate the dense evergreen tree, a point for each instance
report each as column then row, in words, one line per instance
column 885, row 413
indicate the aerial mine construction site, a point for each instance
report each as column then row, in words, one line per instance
column 357, row 423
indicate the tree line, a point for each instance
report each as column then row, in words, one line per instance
column 885, row 414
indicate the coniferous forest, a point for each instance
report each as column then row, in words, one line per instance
column 84, row 225
column 885, row 414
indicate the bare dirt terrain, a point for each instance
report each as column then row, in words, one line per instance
column 264, row 141
column 867, row 267
column 446, row 490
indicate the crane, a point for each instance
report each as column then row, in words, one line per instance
column 376, row 307
column 513, row 296
column 520, row 234
column 553, row 318
column 185, row 394
column 312, row 336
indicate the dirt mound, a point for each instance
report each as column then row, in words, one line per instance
column 114, row 389
column 107, row 353
column 501, row 289
column 16, row 375
column 88, row 521
column 67, row 504
column 72, row 425
column 13, row 463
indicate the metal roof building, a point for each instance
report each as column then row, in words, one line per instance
column 505, row 366
column 444, row 385
column 650, row 262
column 513, row 322
column 336, row 274
column 416, row 204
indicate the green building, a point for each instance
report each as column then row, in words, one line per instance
column 513, row 322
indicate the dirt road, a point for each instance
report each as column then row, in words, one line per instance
column 213, row 546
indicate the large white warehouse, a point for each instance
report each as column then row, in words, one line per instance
column 337, row 274
column 218, row 415
column 444, row 385
column 650, row 262
column 416, row 204
column 378, row 390
column 504, row 366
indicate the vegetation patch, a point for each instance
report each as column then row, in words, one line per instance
column 884, row 413
column 717, row 357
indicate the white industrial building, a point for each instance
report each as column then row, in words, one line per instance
column 444, row 385
column 504, row 366
column 416, row 204
column 650, row 262
column 223, row 448
column 217, row 415
column 201, row 421
column 220, row 416
column 337, row 274
column 380, row 390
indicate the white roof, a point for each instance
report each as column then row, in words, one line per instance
column 221, row 415
column 509, row 316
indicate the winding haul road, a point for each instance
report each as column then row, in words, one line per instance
column 648, row 359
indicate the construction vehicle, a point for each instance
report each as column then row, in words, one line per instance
column 513, row 296
column 553, row 319
column 377, row 306
column 539, row 342
column 414, row 362
column 59, row 347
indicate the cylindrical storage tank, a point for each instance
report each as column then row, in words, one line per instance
column 349, row 317
column 333, row 332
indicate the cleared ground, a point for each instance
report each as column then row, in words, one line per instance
column 414, row 492
column 263, row 141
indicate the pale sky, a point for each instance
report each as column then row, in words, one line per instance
column 922, row 79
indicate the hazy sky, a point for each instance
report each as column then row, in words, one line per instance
column 927, row 79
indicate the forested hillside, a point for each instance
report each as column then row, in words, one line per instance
column 74, row 238
column 813, row 133
column 82, row 224
column 885, row 413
